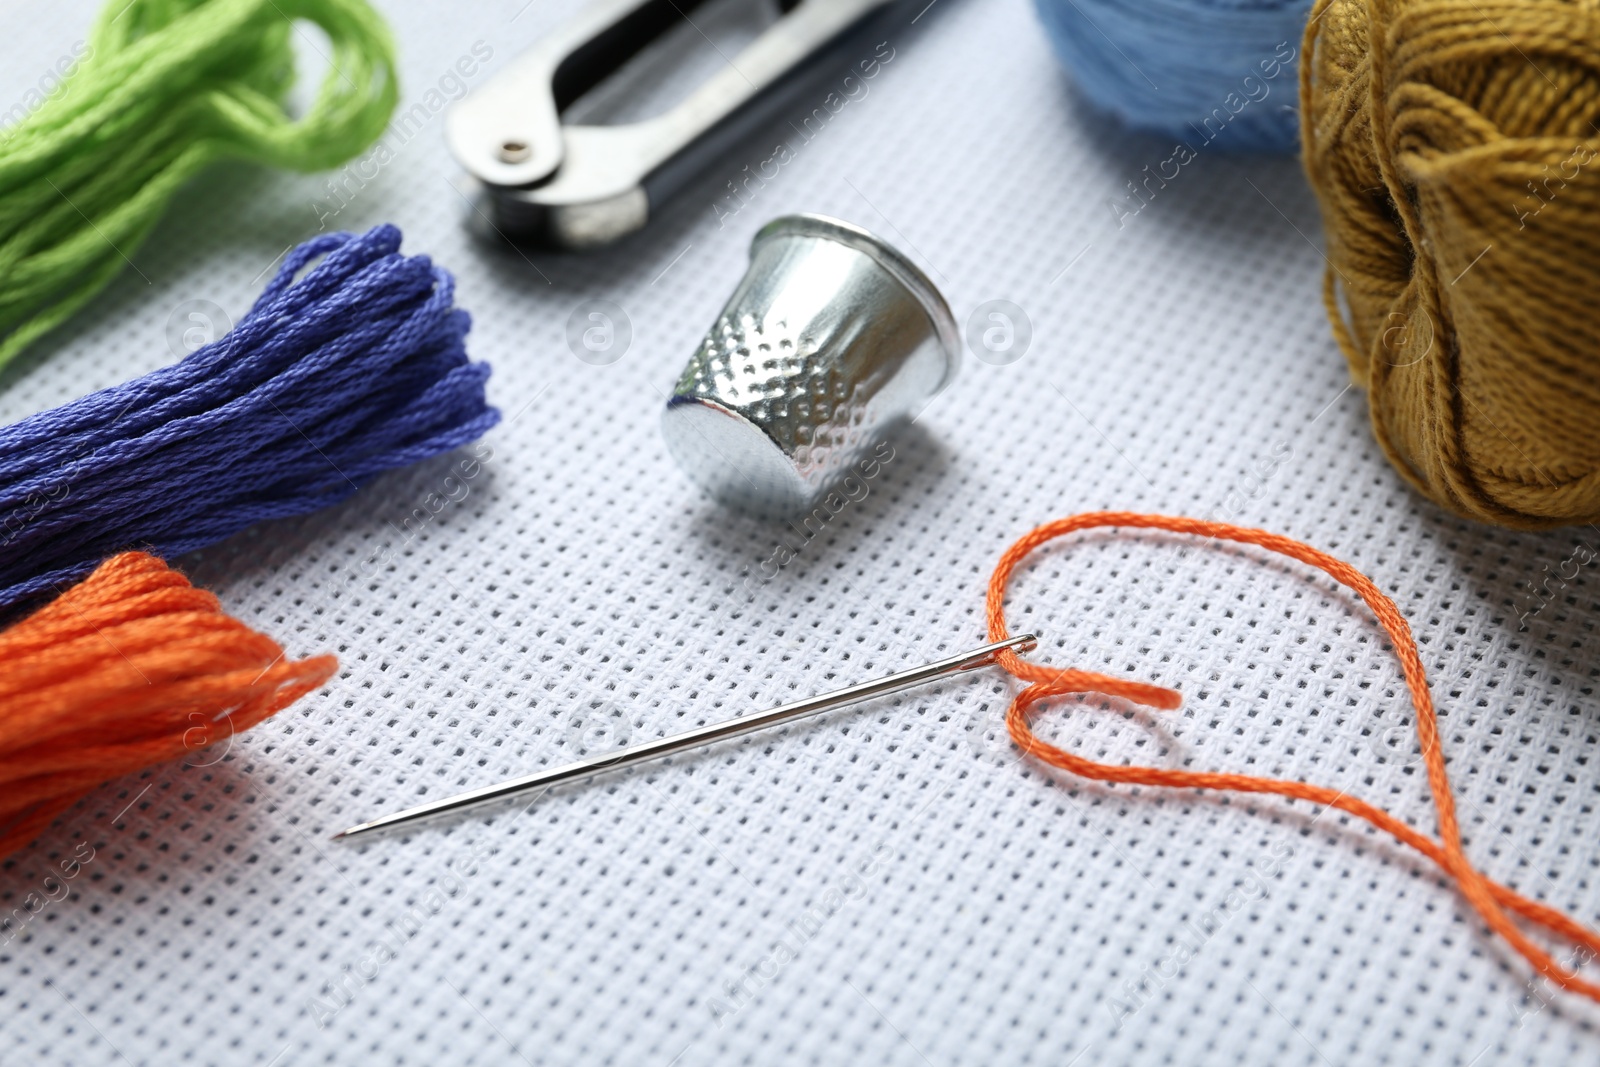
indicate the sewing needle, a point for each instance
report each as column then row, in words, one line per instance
column 982, row 656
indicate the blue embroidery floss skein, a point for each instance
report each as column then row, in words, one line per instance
column 1197, row 70
column 356, row 368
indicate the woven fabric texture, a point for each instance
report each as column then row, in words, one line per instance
column 885, row 886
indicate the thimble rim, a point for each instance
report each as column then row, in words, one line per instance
column 888, row 257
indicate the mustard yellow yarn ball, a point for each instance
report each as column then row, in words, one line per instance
column 1453, row 147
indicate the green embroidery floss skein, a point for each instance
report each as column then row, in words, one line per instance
column 164, row 88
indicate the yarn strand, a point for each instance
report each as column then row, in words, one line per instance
column 1493, row 902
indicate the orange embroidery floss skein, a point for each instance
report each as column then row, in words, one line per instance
column 130, row 667
column 1494, row 902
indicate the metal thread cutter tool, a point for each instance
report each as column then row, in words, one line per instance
column 579, row 187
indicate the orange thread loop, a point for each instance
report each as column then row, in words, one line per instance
column 1491, row 900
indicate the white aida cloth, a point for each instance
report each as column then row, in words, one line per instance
column 885, row 886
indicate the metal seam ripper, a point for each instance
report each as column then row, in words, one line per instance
column 580, row 187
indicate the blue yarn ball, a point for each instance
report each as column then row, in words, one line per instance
column 1197, row 70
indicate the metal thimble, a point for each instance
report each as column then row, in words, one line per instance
column 830, row 340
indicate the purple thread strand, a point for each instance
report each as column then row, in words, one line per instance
column 356, row 368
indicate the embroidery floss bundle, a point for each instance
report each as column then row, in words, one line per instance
column 1196, row 70
column 1453, row 147
column 132, row 667
column 164, row 88
column 356, row 368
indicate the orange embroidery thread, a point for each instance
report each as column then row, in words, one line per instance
column 1491, row 900
column 130, row 667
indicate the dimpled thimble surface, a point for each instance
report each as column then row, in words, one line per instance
column 830, row 340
